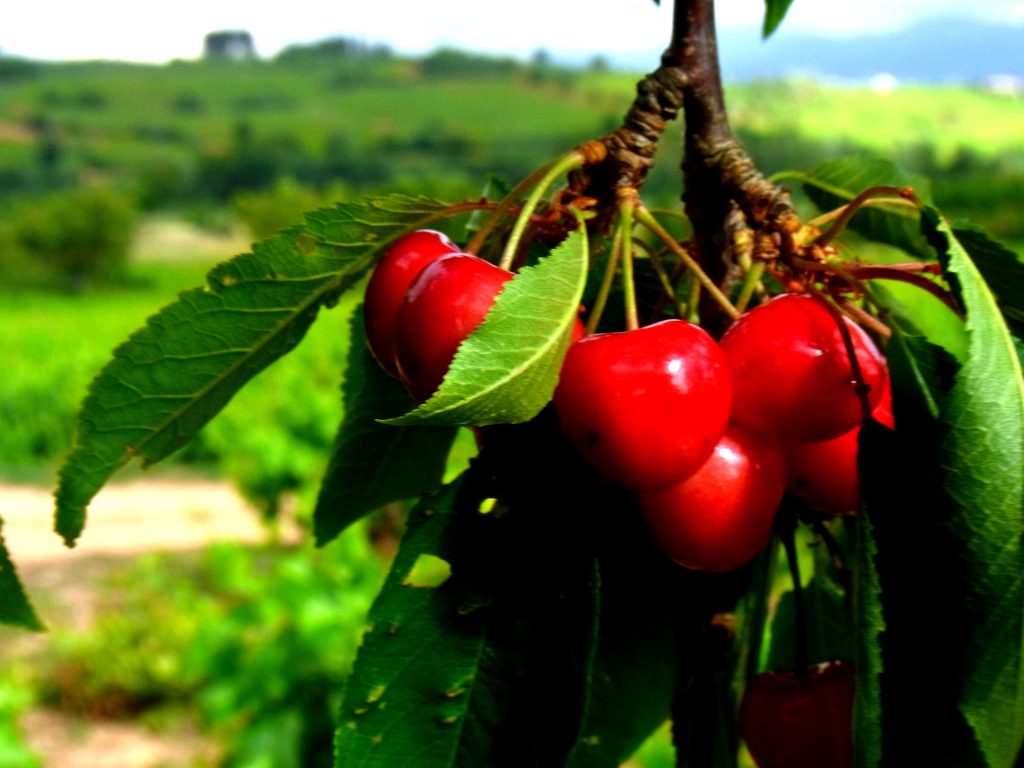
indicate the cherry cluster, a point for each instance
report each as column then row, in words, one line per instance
column 710, row 435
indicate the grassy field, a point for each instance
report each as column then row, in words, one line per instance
column 200, row 131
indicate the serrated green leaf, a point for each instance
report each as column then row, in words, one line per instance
column 774, row 12
column 839, row 181
column 931, row 368
column 415, row 677
column 983, row 453
column 15, row 607
column 869, row 625
column 371, row 463
column 506, row 371
column 1002, row 269
column 173, row 375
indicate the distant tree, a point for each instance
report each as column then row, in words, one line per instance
column 334, row 48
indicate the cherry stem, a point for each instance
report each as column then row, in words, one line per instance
column 880, row 272
column 628, row 200
column 751, row 282
column 877, row 202
column 857, row 203
column 648, row 220
column 860, row 386
column 693, row 302
column 606, row 282
column 562, row 166
column 864, row 318
column 834, row 550
column 505, row 206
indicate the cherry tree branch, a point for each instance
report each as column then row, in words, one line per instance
column 729, row 202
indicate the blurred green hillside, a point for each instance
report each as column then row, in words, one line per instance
column 190, row 135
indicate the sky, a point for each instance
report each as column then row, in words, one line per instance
column 157, row 32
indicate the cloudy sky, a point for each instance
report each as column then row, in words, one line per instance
column 156, row 32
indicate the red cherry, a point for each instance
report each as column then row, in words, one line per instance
column 800, row 721
column 385, row 291
column 449, row 298
column 645, row 407
column 791, row 371
column 721, row 516
column 823, row 474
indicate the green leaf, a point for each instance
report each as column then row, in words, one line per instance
column 869, row 625
column 371, row 463
column 983, row 478
column 15, row 608
column 774, row 12
column 557, row 617
column 1002, row 269
column 173, row 375
column 506, row 371
column 415, row 677
column 916, row 558
column 839, row 181
column 829, row 633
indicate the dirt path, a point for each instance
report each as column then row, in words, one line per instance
column 124, row 520
column 138, row 516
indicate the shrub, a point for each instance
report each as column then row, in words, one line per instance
column 78, row 235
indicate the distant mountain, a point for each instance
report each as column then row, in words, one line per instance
column 938, row 50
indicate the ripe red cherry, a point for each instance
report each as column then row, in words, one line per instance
column 791, row 371
column 449, row 298
column 721, row 516
column 800, row 721
column 385, row 291
column 645, row 407
column 823, row 474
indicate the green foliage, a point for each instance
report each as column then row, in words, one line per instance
column 15, row 699
column 79, row 236
column 450, row 62
column 282, row 206
column 255, row 643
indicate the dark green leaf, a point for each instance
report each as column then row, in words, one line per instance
column 506, row 371
column 173, row 375
column 869, row 624
column 556, row 618
column 15, row 608
column 924, row 589
column 983, row 479
column 416, row 675
column 829, row 633
column 1002, row 269
column 372, row 463
column 837, row 182
column 774, row 12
